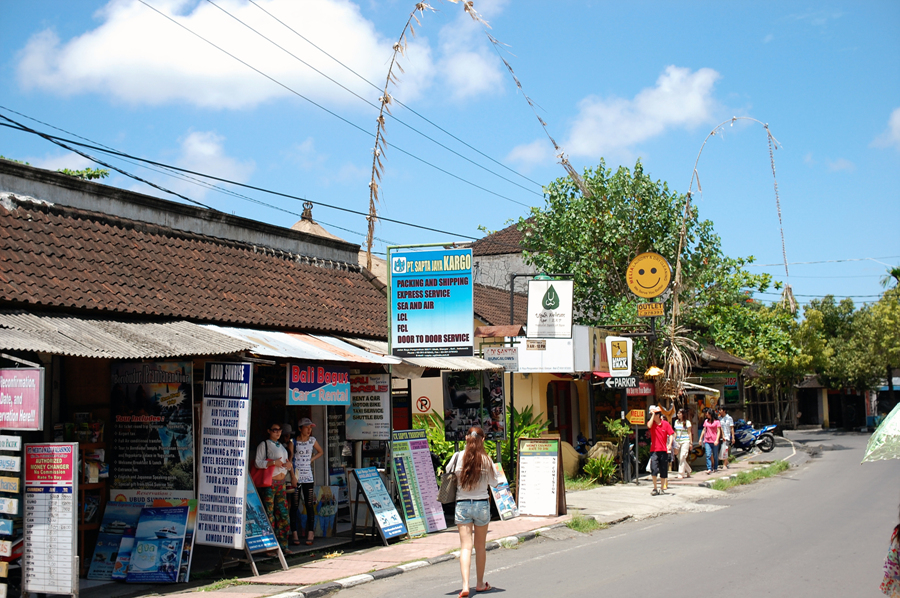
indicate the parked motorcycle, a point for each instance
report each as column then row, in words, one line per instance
column 746, row 437
column 583, row 445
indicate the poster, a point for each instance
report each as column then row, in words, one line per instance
column 505, row 357
column 258, row 530
column 184, row 572
column 503, row 498
column 368, row 416
column 21, row 399
column 318, row 385
column 153, row 430
column 474, row 398
column 158, row 545
column 416, row 482
column 119, row 519
column 51, row 518
column 386, row 516
column 538, row 478
column 431, row 303
column 224, row 454
column 550, row 308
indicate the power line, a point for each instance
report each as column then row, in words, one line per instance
column 53, row 138
column 435, row 125
column 372, row 104
column 857, row 259
column 823, row 295
column 332, row 113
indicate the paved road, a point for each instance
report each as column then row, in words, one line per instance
column 819, row 530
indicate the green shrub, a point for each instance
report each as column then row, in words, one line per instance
column 601, row 469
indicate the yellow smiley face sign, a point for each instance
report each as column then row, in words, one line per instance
column 648, row 275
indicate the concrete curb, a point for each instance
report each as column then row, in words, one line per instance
column 323, row 589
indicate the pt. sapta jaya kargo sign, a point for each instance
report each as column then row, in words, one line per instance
column 431, row 303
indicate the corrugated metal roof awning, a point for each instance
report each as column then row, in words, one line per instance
column 80, row 336
column 456, row 364
column 292, row 345
column 696, row 389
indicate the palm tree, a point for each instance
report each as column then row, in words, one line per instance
column 892, row 276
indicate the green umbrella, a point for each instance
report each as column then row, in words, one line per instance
column 885, row 441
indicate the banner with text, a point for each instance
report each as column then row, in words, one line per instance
column 317, row 385
column 368, row 416
column 227, row 391
column 416, row 482
column 153, row 432
column 432, row 303
column 21, row 399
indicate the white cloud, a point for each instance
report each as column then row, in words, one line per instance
column 204, row 151
column 69, row 160
column 137, row 56
column 468, row 64
column 536, row 152
column 768, row 38
column 680, row 99
column 809, row 160
column 841, row 164
column 305, row 155
column 891, row 136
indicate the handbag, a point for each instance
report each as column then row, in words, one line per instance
column 262, row 478
column 447, row 493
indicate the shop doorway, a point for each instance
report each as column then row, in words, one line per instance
column 560, row 398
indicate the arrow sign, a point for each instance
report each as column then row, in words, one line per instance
column 619, row 383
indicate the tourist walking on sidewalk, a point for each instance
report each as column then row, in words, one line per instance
column 712, row 434
column 726, row 422
column 271, row 454
column 306, row 451
column 660, row 437
column 684, row 442
column 474, row 473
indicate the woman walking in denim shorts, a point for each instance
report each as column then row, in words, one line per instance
column 474, row 473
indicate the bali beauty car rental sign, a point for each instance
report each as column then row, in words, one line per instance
column 431, row 303
column 317, row 385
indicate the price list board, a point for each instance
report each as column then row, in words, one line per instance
column 539, row 477
column 51, row 524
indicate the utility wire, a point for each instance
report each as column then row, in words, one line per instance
column 186, row 177
column 856, row 259
column 332, row 113
column 372, row 104
column 426, row 119
column 823, row 295
column 55, row 139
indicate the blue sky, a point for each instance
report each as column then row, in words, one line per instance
column 614, row 81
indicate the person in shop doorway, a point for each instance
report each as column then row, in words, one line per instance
column 306, row 451
column 271, row 454
column 474, row 473
column 661, row 434
column 726, row 423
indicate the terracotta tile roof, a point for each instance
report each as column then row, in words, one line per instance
column 500, row 242
column 492, row 306
column 58, row 257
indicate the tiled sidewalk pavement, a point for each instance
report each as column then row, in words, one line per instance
column 386, row 557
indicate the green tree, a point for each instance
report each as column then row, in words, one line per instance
column 86, row 174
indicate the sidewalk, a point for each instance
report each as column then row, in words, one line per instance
column 607, row 504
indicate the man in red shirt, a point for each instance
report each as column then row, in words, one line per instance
column 660, row 436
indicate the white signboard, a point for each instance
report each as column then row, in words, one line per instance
column 10, row 443
column 558, row 356
column 369, row 416
column 538, row 477
column 224, row 454
column 508, row 357
column 10, row 506
column 51, row 518
column 10, row 463
column 619, row 351
column 550, row 308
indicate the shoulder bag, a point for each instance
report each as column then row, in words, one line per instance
column 447, row 493
column 262, row 478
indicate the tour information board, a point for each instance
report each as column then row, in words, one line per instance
column 538, row 477
column 386, row 516
column 417, row 482
column 50, row 518
column 223, row 454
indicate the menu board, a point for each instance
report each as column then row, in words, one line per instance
column 417, row 483
column 538, row 479
column 223, row 454
column 503, row 498
column 51, row 524
column 386, row 516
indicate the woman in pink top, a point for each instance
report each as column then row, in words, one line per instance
column 712, row 434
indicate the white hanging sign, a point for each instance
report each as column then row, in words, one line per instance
column 619, row 351
column 550, row 308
